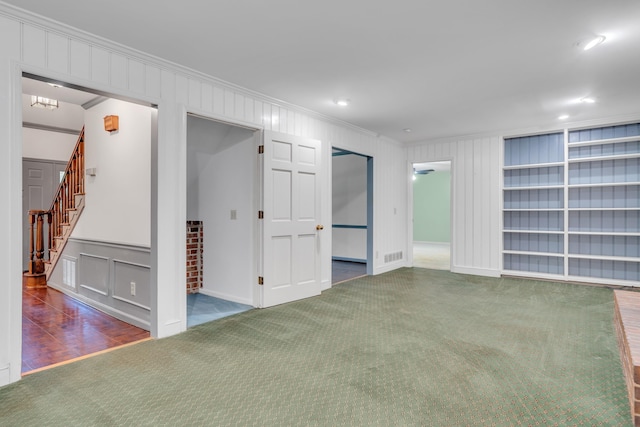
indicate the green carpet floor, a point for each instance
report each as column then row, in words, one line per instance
column 410, row 347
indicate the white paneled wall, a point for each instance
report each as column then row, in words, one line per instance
column 390, row 214
column 38, row 46
column 475, row 176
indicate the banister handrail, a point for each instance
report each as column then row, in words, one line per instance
column 72, row 183
column 79, row 147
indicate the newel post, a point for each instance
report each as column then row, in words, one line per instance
column 36, row 277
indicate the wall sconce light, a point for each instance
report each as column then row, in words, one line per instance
column 42, row 102
column 111, row 123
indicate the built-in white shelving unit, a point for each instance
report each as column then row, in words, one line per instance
column 571, row 205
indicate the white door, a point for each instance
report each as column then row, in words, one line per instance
column 291, row 226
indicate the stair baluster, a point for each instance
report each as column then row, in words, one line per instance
column 59, row 218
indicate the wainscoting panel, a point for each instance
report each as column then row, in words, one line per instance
column 131, row 288
column 112, row 277
column 93, row 276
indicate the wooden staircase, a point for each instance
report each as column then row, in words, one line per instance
column 61, row 218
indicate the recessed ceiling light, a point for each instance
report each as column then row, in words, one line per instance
column 590, row 44
column 407, row 130
column 343, row 102
column 588, row 100
column 563, row 117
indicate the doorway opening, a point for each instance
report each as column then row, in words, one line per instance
column 222, row 188
column 352, row 213
column 432, row 215
column 98, row 293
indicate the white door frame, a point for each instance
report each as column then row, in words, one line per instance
column 12, row 73
column 370, row 165
column 410, row 209
column 252, row 162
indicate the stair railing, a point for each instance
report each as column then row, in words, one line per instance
column 58, row 215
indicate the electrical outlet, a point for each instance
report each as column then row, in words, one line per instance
column 133, row 289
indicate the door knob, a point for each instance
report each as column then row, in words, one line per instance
column 319, row 227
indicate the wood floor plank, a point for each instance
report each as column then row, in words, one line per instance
column 57, row 329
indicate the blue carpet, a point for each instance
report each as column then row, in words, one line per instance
column 346, row 270
column 203, row 308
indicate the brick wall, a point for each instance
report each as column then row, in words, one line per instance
column 194, row 256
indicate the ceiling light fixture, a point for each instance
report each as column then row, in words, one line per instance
column 594, row 42
column 42, row 102
column 563, row 117
column 588, row 100
column 343, row 102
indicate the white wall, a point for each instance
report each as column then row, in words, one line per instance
column 47, row 145
column 349, row 185
column 222, row 176
column 391, row 204
column 117, row 202
column 475, row 175
column 39, row 46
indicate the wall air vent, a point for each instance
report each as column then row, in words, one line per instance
column 395, row 256
column 69, row 271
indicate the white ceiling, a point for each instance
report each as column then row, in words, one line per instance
column 440, row 68
column 64, row 94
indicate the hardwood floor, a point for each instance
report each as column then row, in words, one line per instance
column 58, row 328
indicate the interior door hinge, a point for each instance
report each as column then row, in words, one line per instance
column 260, row 214
column 260, row 149
column 260, row 280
